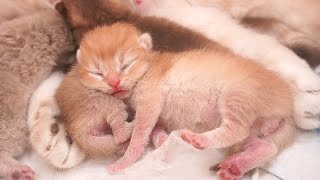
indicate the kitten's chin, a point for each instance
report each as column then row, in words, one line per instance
column 122, row 94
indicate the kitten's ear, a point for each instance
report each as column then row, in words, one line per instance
column 145, row 41
column 78, row 55
column 59, row 6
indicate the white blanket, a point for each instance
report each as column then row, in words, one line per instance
column 178, row 160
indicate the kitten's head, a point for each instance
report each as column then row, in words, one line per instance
column 113, row 58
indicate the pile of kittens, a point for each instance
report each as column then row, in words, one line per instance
column 139, row 76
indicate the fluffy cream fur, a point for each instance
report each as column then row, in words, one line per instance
column 220, row 27
column 225, row 100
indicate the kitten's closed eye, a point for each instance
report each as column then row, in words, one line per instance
column 126, row 65
column 96, row 74
column 128, row 60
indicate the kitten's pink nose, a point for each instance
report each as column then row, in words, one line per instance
column 113, row 80
column 138, row 2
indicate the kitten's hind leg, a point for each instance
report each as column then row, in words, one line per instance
column 237, row 109
column 256, row 153
column 12, row 170
column 274, row 136
column 159, row 136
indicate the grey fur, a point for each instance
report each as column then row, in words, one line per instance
column 30, row 47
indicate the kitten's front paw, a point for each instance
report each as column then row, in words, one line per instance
column 123, row 134
column 118, row 166
column 307, row 110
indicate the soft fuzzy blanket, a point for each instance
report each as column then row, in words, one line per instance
column 178, row 160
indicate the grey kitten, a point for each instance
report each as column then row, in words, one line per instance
column 11, row 9
column 30, row 48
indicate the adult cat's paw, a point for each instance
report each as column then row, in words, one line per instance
column 21, row 172
column 307, row 110
column 308, row 81
column 49, row 139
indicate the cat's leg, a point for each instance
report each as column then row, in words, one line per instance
column 13, row 127
column 145, row 120
column 255, row 152
column 13, row 143
column 121, row 129
column 11, row 169
column 158, row 136
column 49, row 138
column 238, row 112
column 307, row 109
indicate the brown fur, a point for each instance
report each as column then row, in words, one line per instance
column 225, row 99
column 30, row 48
column 84, row 15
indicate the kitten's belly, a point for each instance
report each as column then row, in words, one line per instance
column 190, row 108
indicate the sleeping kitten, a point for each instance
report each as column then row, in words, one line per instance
column 30, row 47
column 47, row 135
column 95, row 121
column 218, row 26
column 228, row 100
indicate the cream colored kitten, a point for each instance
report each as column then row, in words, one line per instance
column 220, row 27
column 222, row 99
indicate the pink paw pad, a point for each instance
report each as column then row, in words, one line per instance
column 194, row 139
column 229, row 170
column 160, row 140
column 22, row 173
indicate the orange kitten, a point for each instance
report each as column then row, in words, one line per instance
column 222, row 99
column 95, row 120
